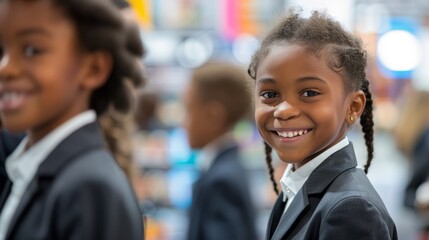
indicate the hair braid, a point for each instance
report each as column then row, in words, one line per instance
column 269, row 160
column 366, row 120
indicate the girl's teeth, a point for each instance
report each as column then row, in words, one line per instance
column 11, row 100
column 292, row 134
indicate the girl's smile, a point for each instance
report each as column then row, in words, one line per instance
column 13, row 96
column 290, row 135
column 11, row 100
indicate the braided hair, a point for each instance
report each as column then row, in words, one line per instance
column 269, row 161
column 101, row 27
column 324, row 37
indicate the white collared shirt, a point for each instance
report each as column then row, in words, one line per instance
column 22, row 164
column 292, row 181
column 209, row 152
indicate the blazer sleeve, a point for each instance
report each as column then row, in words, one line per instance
column 227, row 214
column 356, row 218
column 91, row 209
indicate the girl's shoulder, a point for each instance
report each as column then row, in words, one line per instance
column 352, row 186
column 95, row 171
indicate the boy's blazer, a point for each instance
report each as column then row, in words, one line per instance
column 78, row 193
column 222, row 206
column 336, row 202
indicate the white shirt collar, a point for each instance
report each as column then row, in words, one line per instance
column 22, row 164
column 209, row 152
column 292, row 181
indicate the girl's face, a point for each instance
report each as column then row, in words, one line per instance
column 41, row 68
column 301, row 105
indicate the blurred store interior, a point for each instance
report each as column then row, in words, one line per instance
column 183, row 34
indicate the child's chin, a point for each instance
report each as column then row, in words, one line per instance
column 290, row 159
column 13, row 127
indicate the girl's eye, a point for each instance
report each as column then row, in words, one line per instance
column 310, row 93
column 31, row 51
column 269, row 95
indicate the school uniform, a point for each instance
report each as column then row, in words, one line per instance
column 222, row 207
column 336, row 201
column 68, row 186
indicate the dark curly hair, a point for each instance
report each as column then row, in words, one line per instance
column 324, row 37
column 101, row 26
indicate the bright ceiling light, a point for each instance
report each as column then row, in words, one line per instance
column 399, row 50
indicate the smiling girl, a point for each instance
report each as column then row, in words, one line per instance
column 63, row 63
column 310, row 88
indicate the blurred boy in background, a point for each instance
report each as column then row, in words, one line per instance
column 216, row 98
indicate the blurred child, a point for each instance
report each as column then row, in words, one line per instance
column 310, row 88
column 63, row 63
column 216, row 98
column 412, row 138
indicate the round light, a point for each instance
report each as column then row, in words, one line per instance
column 194, row 51
column 244, row 47
column 399, row 50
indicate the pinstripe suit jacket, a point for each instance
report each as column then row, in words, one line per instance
column 336, row 202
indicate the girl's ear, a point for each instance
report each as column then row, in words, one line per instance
column 356, row 106
column 98, row 69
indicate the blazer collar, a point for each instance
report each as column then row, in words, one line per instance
column 231, row 149
column 339, row 162
column 86, row 138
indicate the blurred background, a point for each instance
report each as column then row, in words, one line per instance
column 183, row 34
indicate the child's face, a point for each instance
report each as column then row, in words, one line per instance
column 301, row 104
column 40, row 68
column 202, row 122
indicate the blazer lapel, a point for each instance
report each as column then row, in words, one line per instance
column 23, row 204
column 299, row 204
column 85, row 139
column 275, row 216
column 339, row 162
column 318, row 181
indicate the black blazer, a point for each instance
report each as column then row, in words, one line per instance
column 336, row 202
column 8, row 143
column 80, row 193
column 222, row 206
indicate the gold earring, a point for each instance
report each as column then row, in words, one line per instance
column 351, row 118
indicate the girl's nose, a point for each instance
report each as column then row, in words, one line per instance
column 285, row 111
column 8, row 68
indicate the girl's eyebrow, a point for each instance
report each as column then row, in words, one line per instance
column 265, row 80
column 299, row 80
column 310, row 78
column 33, row 31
